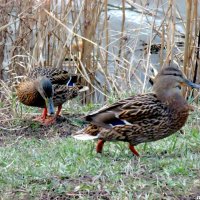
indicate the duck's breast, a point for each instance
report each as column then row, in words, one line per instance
column 28, row 95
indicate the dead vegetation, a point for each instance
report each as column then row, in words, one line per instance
column 79, row 36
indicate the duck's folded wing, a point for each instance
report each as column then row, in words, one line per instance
column 56, row 75
column 128, row 111
column 62, row 93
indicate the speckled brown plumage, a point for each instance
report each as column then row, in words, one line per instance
column 62, row 93
column 149, row 120
column 28, row 94
column 144, row 117
column 56, row 76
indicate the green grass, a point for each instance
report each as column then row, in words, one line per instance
column 54, row 167
column 57, row 166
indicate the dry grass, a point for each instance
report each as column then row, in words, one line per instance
column 106, row 55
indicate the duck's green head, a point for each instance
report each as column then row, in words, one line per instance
column 45, row 89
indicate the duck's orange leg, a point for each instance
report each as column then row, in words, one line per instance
column 44, row 114
column 132, row 148
column 59, row 110
column 52, row 120
column 42, row 117
column 99, row 146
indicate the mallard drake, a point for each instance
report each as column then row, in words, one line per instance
column 46, row 88
column 143, row 117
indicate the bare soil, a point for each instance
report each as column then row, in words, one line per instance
column 194, row 195
column 64, row 126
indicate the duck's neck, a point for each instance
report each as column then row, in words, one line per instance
column 174, row 101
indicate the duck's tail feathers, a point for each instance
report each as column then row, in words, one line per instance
column 85, row 136
column 81, row 135
column 83, row 89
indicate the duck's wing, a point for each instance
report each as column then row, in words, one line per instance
column 63, row 93
column 56, row 75
column 128, row 111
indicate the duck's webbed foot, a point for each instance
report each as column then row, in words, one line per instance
column 49, row 120
column 41, row 118
column 44, row 119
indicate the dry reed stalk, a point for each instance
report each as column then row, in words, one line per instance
column 170, row 32
column 122, row 30
column 106, row 35
column 91, row 13
column 192, row 42
column 187, row 35
column 162, row 45
column 196, row 77
column 106, row 43
column 196, row 45
column 190, row 51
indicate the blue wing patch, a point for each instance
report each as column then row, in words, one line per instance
column 70, row 83
column 117, row 122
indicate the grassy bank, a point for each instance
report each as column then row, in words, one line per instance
column 57, row 166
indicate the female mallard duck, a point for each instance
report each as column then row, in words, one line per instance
column 144, row 117
column 46, row 88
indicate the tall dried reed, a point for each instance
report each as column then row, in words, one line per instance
column 81, row 36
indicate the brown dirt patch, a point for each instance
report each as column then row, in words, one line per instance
column 94, row 195
column 65, row 125
column 194, row 194
column 76, row 194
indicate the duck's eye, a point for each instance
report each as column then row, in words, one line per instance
column 179, row 87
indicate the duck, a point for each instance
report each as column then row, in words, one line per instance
column 48, row 88
column 144, row 117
